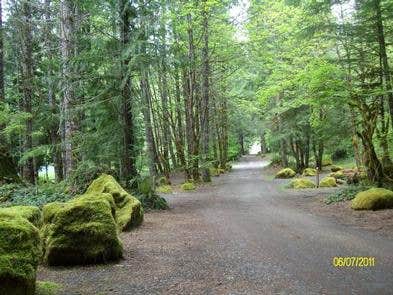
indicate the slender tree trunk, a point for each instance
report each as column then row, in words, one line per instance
column 67, row 51
column 205, row 95
column 27, row 86
column 129, row 156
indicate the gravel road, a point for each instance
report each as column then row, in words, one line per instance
column 239, row 235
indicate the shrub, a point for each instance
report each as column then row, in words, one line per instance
column 20, row 251
column 80, row 232
column 301, row 183
column 286, row 173
column 339, row 154
column 328, row 182
column 373, row 199
column 309, row 172
column 214, row 171
column 147, row 195
column 188, row 186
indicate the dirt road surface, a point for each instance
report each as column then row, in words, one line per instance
column 240, row 235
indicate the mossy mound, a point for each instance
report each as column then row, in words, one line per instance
column 31, row 213
column 309, row 172
column 300, row 183
column 328, row 182
column 327, row 162
column 164, row 189
column 129, row 211
column 335, row 168
column 82, row 231
column 214, row 171
column 373, row 199
column 20, row 251
column 47, row 288
column 286, row 173
column 163, row 181
column 188, row 186
column 338, row 175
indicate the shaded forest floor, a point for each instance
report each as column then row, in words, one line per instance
column 244, row 234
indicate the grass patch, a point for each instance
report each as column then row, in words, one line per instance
column 47, row 288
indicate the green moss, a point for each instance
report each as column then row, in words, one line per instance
column 214, row 171
column 163, row 181
column 20, row 251
column 286, row 173
column 328, row 182
column 301, row 183
column 81, row 231
column 335, row 168
column 373, row 199
column 326, row 161
column 47, row 288
column 129, row 211
column 31, row 213
column 309, row 172
column 188, row 186
column 338, row 175
column 164, row 189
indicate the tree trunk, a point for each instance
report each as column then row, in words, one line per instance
column 27, row 86
column 205, row 95
column 128, row 170
column 67, row 52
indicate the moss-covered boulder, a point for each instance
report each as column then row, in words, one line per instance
column 214, row 171
column 338, row 175
column 188, row 186
column 327, row 161
column 20, row 252
column 373, row 199
column 309, row 172
column 164, row 189
column 82, row 231
column 31, row 213
column 286, row 173
column 336, row 168
column 301, row 183
column 129, row 211
column 328, row 182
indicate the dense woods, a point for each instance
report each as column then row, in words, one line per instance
column 139, row 88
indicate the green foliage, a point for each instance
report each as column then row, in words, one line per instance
column 164, row 189
column 335, row 168
column 373, row 199
column 47, row 288
column 147, row 194
column 31, row 213
column 345, row 194
column 18, row 194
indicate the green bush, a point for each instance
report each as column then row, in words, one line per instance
column 164, row 189
column 47, row 288
column 188, row 186
column 147, row 195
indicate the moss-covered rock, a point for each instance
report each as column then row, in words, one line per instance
column 338, row 175
column 81, row 231
column 20, row 252
column 164, row 189
column 336, row 168
column 188, row 186
column 214, row 171
column 327, row 162
column 373, row 199
column 163, row 181
column 31, row 213
column 129, row 211
column 47, row 288
column 309, row 172
column 300, row 183
column 328, row 182
column 286, row 173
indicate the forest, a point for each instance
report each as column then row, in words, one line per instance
column 147, row 92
